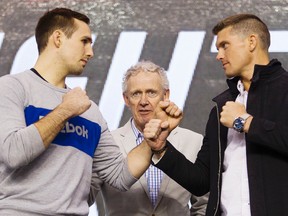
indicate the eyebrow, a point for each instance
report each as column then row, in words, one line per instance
column 221, row 44
column 87, row 38
column 147, row 90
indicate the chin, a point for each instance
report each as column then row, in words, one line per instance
column 229, row 75
column 143, row 122
column 76, row 73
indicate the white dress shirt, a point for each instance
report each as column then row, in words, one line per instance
column 235, row 198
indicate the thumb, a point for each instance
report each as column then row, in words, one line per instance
column 159, row 111
column 164, row 125
column 164, row 104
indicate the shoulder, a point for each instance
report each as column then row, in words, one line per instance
column 186, row 132
column 15, row 84
column 186, row 141
column 19, row 80
column 12, row 78
column 122, row 130
column 18, row 76
column 185, row 138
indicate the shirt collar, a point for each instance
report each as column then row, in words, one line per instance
column 138, row 135
column 240, row 87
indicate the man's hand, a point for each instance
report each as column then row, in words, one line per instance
column 75, row 102
column 167, row 117
column 156, row 133
column 170, row 112
column 230, row 111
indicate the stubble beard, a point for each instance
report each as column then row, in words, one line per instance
column 76, row 71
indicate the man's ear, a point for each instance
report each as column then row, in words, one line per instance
column 126, row 99
column 57, row 38
column 253, row 42
column 167, row 94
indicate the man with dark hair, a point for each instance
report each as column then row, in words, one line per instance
column 53, row 138
column 58, row 19
column 244, row 156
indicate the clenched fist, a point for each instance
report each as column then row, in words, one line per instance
column 75, row 102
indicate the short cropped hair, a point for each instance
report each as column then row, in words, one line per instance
column 147, row 67
column 245, row 24
column 58, row 18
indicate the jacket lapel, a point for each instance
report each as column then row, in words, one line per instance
column 128, row 141
column 166, row 179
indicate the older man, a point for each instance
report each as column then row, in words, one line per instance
column 144, row 86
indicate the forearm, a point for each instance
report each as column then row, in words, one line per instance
column 109, row 164
column 139, row 159
column 50, row 125
column 183, row 171
column 21, row 147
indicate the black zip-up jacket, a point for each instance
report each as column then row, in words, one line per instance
column 266, row 147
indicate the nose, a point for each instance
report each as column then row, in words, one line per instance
column 89, row 51
column 219, row 55
column 143, row 99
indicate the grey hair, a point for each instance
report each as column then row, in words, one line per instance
column 145, row 66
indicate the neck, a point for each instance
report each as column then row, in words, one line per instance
column 50, row 72
column 262, row 59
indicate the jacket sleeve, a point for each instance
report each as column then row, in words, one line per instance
column 198, row 205
column 194, row 177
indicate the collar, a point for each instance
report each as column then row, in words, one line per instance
column 240, row 87
column 266, row 71
column 138, row 135
column 261, row 72
column 38, row 74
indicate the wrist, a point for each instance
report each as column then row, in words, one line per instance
column 160, row 151
column 240, row 122
column 63, row 112
column 247, row 124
